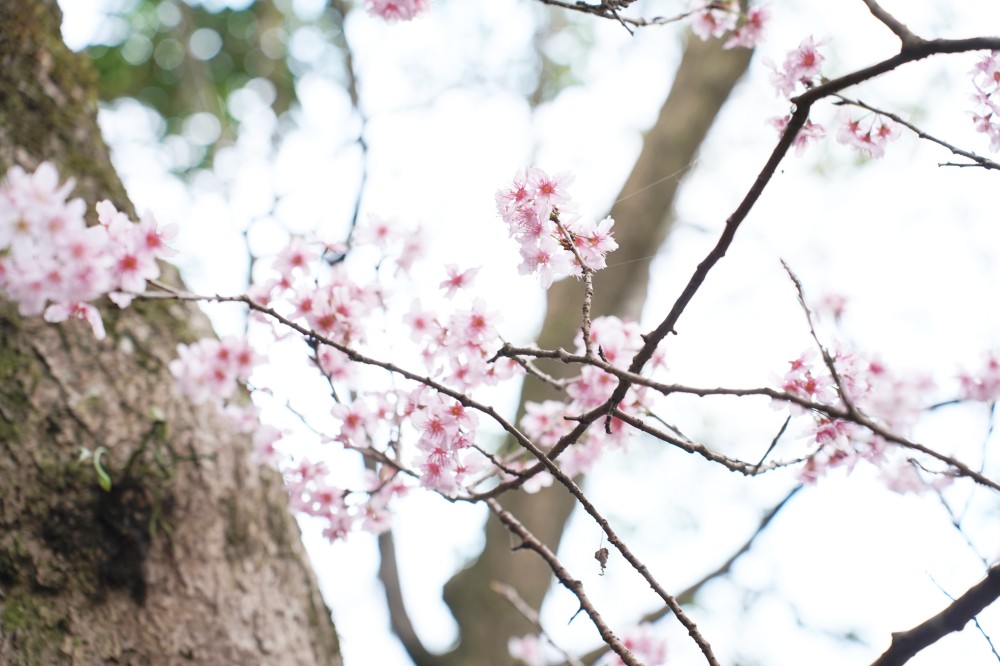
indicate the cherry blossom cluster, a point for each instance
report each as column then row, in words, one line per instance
column 982, row 386
column 412, row 430
column 396, row 10
column 642, row 641
column 342, row 510
column 892, row 399
column 986, row 79
column 799, row 71
column 454, row 350
column 715, row 18
column 53, row 264
column 546, row 422
column 868, row 135
column 554, row 241
column 211, row 370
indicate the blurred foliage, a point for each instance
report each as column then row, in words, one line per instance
column 182, row 59
column 562, row 42
column 185, row 59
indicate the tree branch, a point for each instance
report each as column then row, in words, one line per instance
column 984, row 162
column 905, row 35
column 529, row 541
column 906, row 644
column 687, row 596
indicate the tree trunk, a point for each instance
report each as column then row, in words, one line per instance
column 702, row 84
column 191, row 557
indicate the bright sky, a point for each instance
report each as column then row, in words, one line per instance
column 912, row 245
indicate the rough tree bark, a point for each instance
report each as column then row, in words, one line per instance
column 192, row 556
column 702, row 84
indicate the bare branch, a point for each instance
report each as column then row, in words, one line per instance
column 978, row 160
column 745, row 468
column 905, row 35
column 687, row 596
column 531, row 615
column 906, row 644
column 529, row 541
column 609, row 9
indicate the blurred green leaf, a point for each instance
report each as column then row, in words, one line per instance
column 184, row 60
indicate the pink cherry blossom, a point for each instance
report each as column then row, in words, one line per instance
column 297, row 256
column 986, row 81
column 808, row 133
column 62, row 311
column 377, row 231
column 210, row 370
column 800, row 68
column 457, row 279
column 51, row 262
column 714, row 18
column 548, row 259
column 527, row 650
column 983, row 385
column 544, row 423
column 868, row 136
column 644, row 643
column 750, row 30
column 396, row 10
column 540, row 216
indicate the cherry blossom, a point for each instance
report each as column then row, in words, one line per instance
column 868, row 136
column 986, row 80
column 809, row 132
column 642, row 642
column 984, row 385
column 750, row 30
column 457, row 279
column 539, row 214
column 715, row 18
column 210, row 370
column 528, row 650
column 800, row 68
column 396, row 10
column 51, row 262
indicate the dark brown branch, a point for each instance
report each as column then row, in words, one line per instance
column 529, row 541
column 848, row 414
column 609, row 9
column 803, row 103
column 960, row 612
column 743, row 467
column 687, row 596
column 905, row 35
column 521, row 439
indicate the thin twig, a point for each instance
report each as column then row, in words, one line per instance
column 906, row 644
column 687, row 596
column 745, row 468
column 609, row 9
column 531, row 542
column 531, row 615
column 978, row 160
